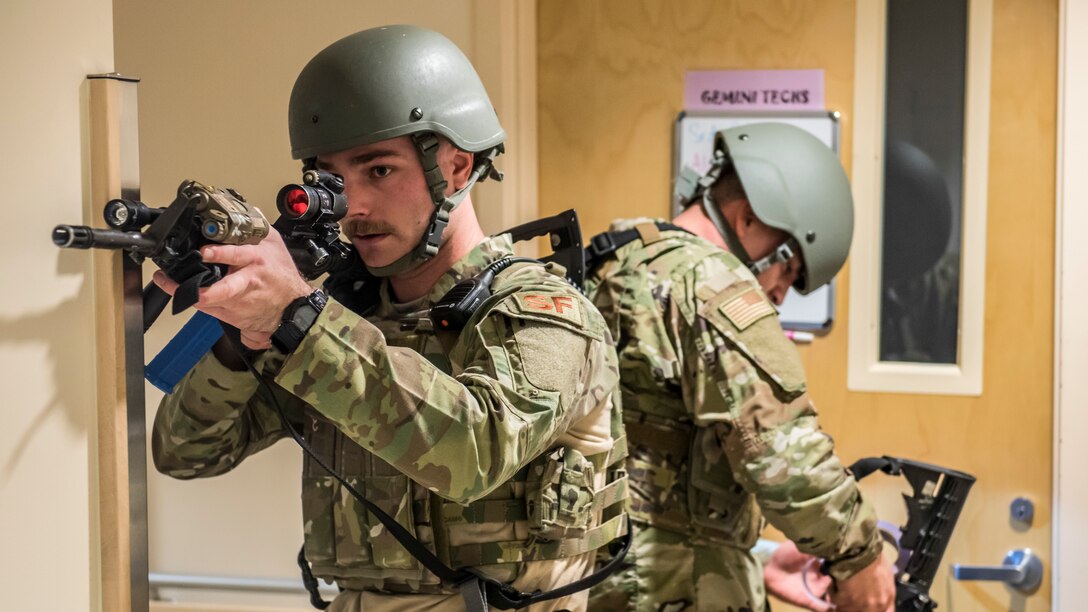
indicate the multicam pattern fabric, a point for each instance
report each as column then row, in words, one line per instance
column 721, row 432
column 666, row 571
column 438, row 431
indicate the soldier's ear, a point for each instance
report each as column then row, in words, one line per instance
column 459, row 167
column 745, row 219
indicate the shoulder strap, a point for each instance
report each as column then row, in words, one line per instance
column 604, row 244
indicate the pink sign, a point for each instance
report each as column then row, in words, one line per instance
column 754, row 90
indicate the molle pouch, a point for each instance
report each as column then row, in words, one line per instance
column 320, row 495
column 657, row 468
column 342, row 538
column 349, row 530
column 559, row 495
column 318, row 500
column 392, row 494
column 721, row 509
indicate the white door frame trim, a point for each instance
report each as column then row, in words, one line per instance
column 1070, row 564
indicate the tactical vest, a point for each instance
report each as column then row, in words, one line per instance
column 682, row 482
column 560, row 505
column 680, row 478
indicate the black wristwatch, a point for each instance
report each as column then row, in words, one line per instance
column 298, row 317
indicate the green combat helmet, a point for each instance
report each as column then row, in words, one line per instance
column 794, row 183
column 395, row 81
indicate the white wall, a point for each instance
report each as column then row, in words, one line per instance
column 47, row 527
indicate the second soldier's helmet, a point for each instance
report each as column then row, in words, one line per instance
column 795, row 183
column 387, row 82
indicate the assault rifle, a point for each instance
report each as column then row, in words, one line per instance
column 200, row 215
column 939, row 495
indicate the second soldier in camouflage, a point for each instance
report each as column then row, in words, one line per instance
column 722, row 432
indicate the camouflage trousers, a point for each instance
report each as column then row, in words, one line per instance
column 534, row 575
column 665, row 572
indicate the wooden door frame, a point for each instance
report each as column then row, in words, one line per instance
column 120, row 483
column 504, row 54
column 1070, row 325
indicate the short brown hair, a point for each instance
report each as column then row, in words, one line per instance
column 728, row 187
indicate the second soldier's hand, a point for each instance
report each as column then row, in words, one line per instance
column 260, row 283
column 784, row 577
column 870, row 590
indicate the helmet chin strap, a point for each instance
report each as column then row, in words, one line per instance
column 782, row 252
column 710, row 207
column 427, row 146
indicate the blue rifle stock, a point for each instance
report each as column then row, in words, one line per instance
column 183, row 351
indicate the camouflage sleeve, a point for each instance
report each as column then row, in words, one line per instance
column 212, row 420
column 519, row 379
column 749, row 385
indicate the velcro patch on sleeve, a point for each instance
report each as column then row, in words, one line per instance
column 564, row 307
column 747, row 308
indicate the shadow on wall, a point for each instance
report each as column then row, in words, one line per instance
column 66, row 330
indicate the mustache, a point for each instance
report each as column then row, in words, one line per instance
column 362, row 227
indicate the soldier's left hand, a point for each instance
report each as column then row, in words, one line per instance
column 261, row 281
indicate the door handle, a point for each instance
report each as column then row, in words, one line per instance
column 1021, row 570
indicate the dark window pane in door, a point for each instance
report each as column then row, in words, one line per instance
column 925, row 85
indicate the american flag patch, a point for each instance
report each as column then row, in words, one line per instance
column 747, row 308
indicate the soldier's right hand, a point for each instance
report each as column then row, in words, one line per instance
column 260, row 282
column 870, row 590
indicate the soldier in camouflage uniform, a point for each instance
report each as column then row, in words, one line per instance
column 495, row 446
column 722, row 433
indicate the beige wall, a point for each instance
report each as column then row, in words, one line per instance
column 215, row 80
column 46, row 360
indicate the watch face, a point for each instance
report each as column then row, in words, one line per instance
column 298, row 317
column 315, row 300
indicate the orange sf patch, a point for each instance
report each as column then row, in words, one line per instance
column 560, row 306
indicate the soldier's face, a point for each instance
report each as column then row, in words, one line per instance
column 389, row 206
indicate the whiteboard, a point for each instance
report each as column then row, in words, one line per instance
column 694, row 144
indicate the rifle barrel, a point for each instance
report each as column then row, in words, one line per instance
column 84, row 237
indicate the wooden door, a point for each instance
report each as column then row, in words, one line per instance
column 610, row 86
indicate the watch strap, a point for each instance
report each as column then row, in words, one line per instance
column 298, row 318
